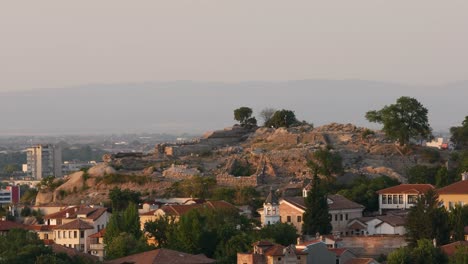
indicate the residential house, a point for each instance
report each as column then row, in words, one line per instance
column 267, row 252
column 163, row 256
column 291, row 210
column 391, row 224
column 96, row 244
column 96, row 216
column 401, row 196
column 317, row 254
column 455, row 193
column 74, row 234
column 45, row 232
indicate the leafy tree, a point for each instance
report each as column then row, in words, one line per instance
column 458, row 221
column 227, row 252
column 400, row 256
column 422, row 174
column 405, row 119
column 316, row 217
column 160, row 229
column 125, row 244
column 460, row 256
column 426, row 220
column 364, row 190
column 326, row 162
column 283, row 233
column 282, row 118
column 460, row 134
column 197, row 186
column 266, row 114
column 244, row 116
column 121, row 199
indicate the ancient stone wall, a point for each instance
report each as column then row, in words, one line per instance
column 180, row 172
column 233, row 181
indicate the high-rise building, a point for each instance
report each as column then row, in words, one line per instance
column 44, row 161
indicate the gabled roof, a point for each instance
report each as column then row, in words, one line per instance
column 338, row 251
column 275, row 250
column 338, row 202
column 38, row 228
column 450, row 249
column 361, row 261
column 460, row 187
column 74, row 211
column 407, row 188
column 162, row 255
column 99, row 234
column 391, row 220
column 8, row 225
column 75, row 224
column 271, row 198
column 149, row 213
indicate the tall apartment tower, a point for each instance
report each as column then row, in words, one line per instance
column 44, row 161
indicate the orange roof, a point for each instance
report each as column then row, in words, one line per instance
column 74, row 211
column 8, row 225
column 41, row 227
column 75, row 224
column 338, row 251
column 460, row 187
column 450, row 249
column 98, row 234
column 360, row 261
column 275, row 250
column 163, row 256
column 407, row 188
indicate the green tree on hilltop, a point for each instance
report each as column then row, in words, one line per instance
column 405, row 119
column 282, row 118
column 244, row 116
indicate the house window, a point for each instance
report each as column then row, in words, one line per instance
column 288, row 219
column 336, row 217
column 58, row 234
column 346, row 217
column 59, row 221
column 279, row 258
column 341, row 217
column 46, row 236
column 64, row 234
column 412, row 199
column 389, row 199
column 384, row 199
column 299, row 218
column 75, row 234
column 451, row 205
column 81, row 234
column 81, row 247
column 395, row 199
column 70, row 234
column 400, row 199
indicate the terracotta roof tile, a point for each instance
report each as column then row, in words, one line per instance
column 166, row 256
column 74, row 211
column 392, row 220
column 275, row 250
column 99, row 234
column 338, row 251
column 75, row 224
column 460, row 187
column 150, row 213
column 8, row 225
column 450, row 249
column 338, row 202
column 407, row 188
column 361, row 261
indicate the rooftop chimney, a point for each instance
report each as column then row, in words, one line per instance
column 464, row 176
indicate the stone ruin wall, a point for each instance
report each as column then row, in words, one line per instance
column 233, row 181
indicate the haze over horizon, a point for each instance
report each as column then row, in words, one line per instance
column 109, row 66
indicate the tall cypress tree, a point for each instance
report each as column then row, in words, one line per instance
column 316, row 217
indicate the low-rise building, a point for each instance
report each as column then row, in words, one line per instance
column 96, row 244
column 74, row 234
column 163, row 256
column 401, row 196
column 268, row 252
column 455, row 193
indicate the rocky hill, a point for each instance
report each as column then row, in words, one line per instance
column 236, row 156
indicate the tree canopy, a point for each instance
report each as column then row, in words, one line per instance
column 244, row 116
column 405, row 119
column 282, row 118
column 460, row 134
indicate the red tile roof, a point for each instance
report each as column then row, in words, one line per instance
column 392, row 220
column 149, row 212
column 338, row 251
column 407, row 188
column 8, row 225
column 460, row 187
column 98, row 234
column 166, row 256
column 74, row 211
column 338, row 202
column 41, row 227
column 275, row 250
column 361, row 261
column 75, row 224
column 450, row 249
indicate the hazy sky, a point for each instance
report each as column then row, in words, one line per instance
column 62, row 43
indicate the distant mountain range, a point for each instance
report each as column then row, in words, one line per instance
column 195, row 107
